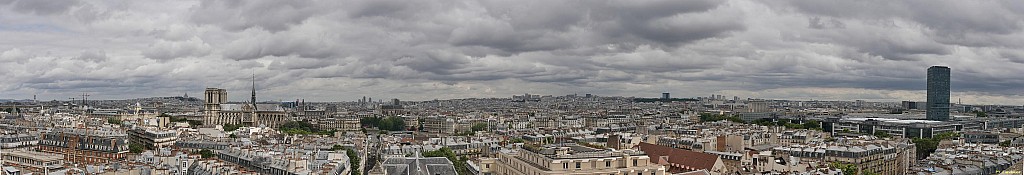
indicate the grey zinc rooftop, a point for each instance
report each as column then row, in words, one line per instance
column 418, row 166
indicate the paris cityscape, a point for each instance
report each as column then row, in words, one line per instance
column 496, row 87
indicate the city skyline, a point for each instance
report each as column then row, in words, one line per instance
column 344, row 50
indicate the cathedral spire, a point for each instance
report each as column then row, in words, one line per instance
column 253, row 92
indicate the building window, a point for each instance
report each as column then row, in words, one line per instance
column 634, row 163
column 577, row 165
column 608, row 164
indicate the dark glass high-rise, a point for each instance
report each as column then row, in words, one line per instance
column 938, row 93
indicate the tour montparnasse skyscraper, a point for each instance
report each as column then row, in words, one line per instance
column 938, row 93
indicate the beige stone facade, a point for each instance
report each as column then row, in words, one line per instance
column 573, row 159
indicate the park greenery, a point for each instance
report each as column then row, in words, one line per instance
column 812, row 125
column 465, row 133
column 230, row 127
column 709, row 117
column 135, row 148
column 114, row 121
column 980, row 113
column 303, row 128
column 460, row 162
column 927, row 146
column 479, row 127
column 847, row 168
column 205, row 153
column 882, row 134
column 12, row 110
column 392, row 123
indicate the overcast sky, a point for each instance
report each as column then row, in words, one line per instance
column 331, row 50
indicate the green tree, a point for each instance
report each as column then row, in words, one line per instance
column 392, row 123
column 815, row 125
column 709, row 117
column 303, row 128
column 419, row 125
column 845, row 167
column 205, row 153
column 882, row 134
column 980, row 114
column 369, row 121
column 114, row 121
column 353, row 160
column 337, row 148
column 232, row 136
column 230, row 127
column 459, row 162
column 926, row 146
column 764, row 122
column 135, row 148
column 1005, row 143
column 396, row 123
column 479, row 127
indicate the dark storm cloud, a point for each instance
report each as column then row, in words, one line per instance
column 950, row 18
column 236, row 15
column 482, row 48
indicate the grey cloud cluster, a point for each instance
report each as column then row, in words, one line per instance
column 339, row 50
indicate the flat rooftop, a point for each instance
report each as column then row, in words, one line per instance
column 892, row 120
column 39, row 156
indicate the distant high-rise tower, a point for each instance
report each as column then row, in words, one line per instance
column 665, row 96
column 938, row 93
column 253, row 92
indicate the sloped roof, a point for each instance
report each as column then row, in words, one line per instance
column 679, row 156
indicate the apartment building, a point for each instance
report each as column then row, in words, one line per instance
column 9, row 141
column 90, row 146
column 573, row 159
column 869, row 155
column 152, row 138
column 287, row 162
column 439, row 125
